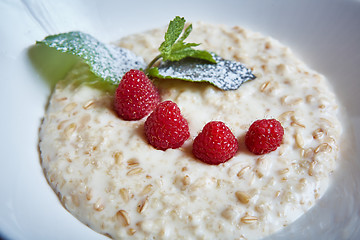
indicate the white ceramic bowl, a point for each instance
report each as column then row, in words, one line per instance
column 324, row 33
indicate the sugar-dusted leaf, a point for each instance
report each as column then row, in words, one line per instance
column 225, row 74
column 108, row 62
column 81, row 74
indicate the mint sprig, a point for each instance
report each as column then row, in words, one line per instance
column 180, row 60
column 174, row 48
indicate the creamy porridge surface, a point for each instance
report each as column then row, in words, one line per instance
column 109, row 177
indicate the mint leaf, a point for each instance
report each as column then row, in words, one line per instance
column 173, row 32
column 186, row 33
column 107, row 62
column 180, row 51
column 81, row 74
column 174, row 48
column 226, row 74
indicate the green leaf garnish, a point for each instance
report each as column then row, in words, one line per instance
column 180, row 60
column 226, row 74
column 174, row 30
column 81, row 74
column 109, row 63
column 174, row 48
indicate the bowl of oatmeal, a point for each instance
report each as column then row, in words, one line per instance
column 322, row 42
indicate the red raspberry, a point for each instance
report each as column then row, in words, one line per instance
column 136, row 96
column 215, row 144
column 264, row 136
column 166, row 127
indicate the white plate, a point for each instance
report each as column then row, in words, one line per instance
column 325, row 34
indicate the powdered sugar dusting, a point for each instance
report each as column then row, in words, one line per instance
column 106, row 61
column 225, row 74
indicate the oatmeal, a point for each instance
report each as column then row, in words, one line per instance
column 108, row 176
